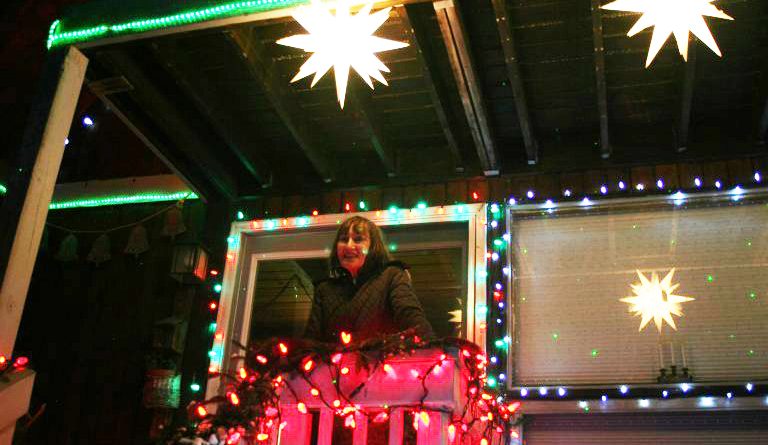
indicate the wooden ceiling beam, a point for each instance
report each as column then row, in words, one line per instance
column 166, row 115
column 205, row 98
column 515, row 79
column 687, row 99
column 371, row 121
column 467, row 83
column 417, row 38
column 282, row 98
column 188, row 173
column 601, row 87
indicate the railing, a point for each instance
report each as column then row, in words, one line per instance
column 394, row 389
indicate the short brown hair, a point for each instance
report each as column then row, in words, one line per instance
column 378, row 255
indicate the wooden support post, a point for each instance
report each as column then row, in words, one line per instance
column 468, row 84
column 602, row 89
column 687, row 99
column 396, row 426
column 29, row 194
column 516, row 80
column 25, row 208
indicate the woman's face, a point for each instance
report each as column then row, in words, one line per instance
column 352, row 249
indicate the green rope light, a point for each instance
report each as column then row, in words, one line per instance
column 122, row 199
column 58, row 38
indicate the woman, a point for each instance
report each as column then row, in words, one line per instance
column 367, row 294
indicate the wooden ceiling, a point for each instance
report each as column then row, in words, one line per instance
column 492, row 87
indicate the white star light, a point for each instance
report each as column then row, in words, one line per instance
column 655, row 300
column 678, row 17
column 341, row 41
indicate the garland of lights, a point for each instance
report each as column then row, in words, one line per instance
column 230, row 9
column 250, row 407
column 9, row 365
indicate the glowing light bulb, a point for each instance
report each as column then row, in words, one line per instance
column 561, row 392
column 757, row 177
column 586, row 202
column 697, row 182
column 523, row 392
column 684, row 387
column 530, row 194
column 567, row 193
column 659, row 184
column 644, row 403
column 622, row 186
column 543, row 391
column 665, row 394
column 718, row 184
column 512, row 201
column 604, row 398
column 87, row 121
column 603, row 189
column 640, row 187
column 623, row 389
column 749, row 387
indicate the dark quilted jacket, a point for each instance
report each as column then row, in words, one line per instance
column 382, row 303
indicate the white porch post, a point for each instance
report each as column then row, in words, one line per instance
column 32, row 193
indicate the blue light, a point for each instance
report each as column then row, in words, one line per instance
column 622, row 186
column 87, row 121
column 718, row 184
column 757, row 177
column 501, row 305
column 640, row 187
column 494, row 359
column 512, row 201
column 665, row 393
column 604, row 398
column 729, row 395
column 603, row 189
column 561, row 392
column 749, row 387
column 624, row 389
column 523, row 392
column 567, row 193
column 586, row 202
column 494, row 224
column 530, row 194
column 659, row 184
column 697, row 182
column 685, row 387
column 543, row 391
column 502, row 377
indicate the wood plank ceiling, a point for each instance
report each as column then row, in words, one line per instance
column 485, row 87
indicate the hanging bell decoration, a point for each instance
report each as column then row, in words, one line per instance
column 67, row 249
column 137, row 241
column 100, row 251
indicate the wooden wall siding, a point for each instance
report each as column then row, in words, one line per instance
column 546, row 186
column 87, row 328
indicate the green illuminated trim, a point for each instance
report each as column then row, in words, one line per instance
column 122, row 199
column 228, row 9
column 3, row 189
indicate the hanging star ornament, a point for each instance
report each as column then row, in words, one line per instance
column 341, row 41
column 678, row 17
column 655, row 300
